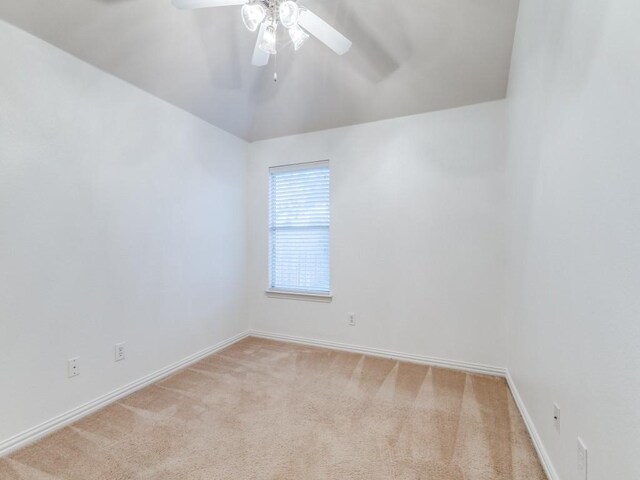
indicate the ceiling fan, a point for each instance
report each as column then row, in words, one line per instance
column 266, row 16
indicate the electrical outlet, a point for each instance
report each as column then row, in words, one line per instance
column 352, row 319
column 556, row 416
column 120, row 351
column 73, row 367
column 582, row 460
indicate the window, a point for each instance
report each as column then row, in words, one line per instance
column 299, row 228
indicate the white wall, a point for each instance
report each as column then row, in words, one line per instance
column 574, row 296
column 122, row 218
column 417, row 234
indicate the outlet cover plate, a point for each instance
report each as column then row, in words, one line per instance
column 556, row 416
column 582, row 460
column 120, row 351
column 73, row 367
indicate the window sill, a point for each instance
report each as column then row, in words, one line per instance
column 310, row 297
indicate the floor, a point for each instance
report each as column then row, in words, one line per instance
column 268, row 410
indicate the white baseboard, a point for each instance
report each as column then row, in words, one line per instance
column 533, row 432
column 39, row 431
column 377, row 352
column 438, row 362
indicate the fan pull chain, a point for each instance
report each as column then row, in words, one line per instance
column 272, row 7
column 275, row 63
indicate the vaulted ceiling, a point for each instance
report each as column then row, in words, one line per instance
column 408, row 57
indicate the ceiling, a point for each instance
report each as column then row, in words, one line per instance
column 408, row 57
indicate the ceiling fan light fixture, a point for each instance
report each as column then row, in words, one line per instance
column 289, row 13
column 268, row 42
column 298, row 36
column 252, row 15
column 266, row 16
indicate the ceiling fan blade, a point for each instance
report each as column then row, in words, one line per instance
column 186, row 4
column 324, row 32
column 260, row 57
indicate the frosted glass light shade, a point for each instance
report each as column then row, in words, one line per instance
column 268, row 42
column 298, row 36
column 289, row 13
column 252, row 15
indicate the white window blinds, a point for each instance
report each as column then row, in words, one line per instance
column 299, row 228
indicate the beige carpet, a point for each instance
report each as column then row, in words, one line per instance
column 269, row 410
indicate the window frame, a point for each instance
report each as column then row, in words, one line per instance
column 273, row 291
